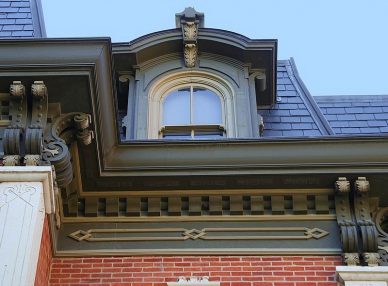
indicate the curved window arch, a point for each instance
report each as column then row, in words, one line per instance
column 191, row 105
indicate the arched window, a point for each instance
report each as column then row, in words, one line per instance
column 191, row 105
column 192, row 112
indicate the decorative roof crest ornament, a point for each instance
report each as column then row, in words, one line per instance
column 189, row 21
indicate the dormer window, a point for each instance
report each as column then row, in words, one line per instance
column 191, row 105
column 192, row 112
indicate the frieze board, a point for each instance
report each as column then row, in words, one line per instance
column 206, row 237
column 182, row 234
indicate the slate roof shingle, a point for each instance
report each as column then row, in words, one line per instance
column 21, row 19
column 295, row 114
column 355, row 115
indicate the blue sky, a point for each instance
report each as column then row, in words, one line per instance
column 340, row 46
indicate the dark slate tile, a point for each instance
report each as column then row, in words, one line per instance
column 5, row 34
column 314, row 126
column 281, row 69
column 370, row 130
column 354, row 110
column 385, row 108
column 325, row 104
column 284, row 81
column 331, row 117
column 299, row 112
column 3, row 15
column 288, row 106
column 281, row 74
column 365, row 117
column 272, row 133
column 312, row 133
column 337, row 130
column 24, row 10
column 22, row 33
column 271, row 119
column 293, row 133
column 377, row 123
column 373, row 109
column 5, row 4
column 280, row 112
column 358, row 123
column 339, row 124
column 346, row 117
column 378, row 103
column 12, row 27
column 23, row 21
column 350, row 130
column 306, row 119
column 292, row 100
column 381, row 116
column 302, row 126
column 280, row 126
column 18, row 15
column 360, row 103
column 335, row 110
column 20, row 4
column 384, row 129
column 9, row 10
column 7, row 21
column 290, row 119
column 28, row 28
column 287, row 93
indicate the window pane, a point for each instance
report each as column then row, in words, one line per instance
column 176, row 107
column 207, row 107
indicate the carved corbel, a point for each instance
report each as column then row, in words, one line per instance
column 13, row 134
column 351, row 259
column 371, row 259
column 64, row 130
column 363, row 215
column 348, row 230
column 37, row 122
column 189, row 20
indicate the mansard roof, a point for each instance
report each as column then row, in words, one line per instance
column 21, row 19
column 353, row 115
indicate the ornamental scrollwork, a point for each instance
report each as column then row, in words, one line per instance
column 190, row 31
column 190, row 55
column 63, row 131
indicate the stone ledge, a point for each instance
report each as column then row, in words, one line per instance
column 362, row 275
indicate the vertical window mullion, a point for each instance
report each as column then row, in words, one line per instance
column 191, row 111
column 191, row 105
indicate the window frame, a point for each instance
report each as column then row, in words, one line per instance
column 161, row 88
column 192, row 127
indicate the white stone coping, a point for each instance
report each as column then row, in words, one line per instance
column 362, row 273
column 42, row 174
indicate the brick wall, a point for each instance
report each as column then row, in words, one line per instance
column 230, row 270
column 45, row 257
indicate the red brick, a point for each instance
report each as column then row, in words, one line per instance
column 229, row 270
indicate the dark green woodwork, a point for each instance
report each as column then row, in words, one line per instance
column 228, row 205
column 169, row 238
column 159, row 179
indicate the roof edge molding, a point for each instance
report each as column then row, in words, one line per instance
column 316, row 113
